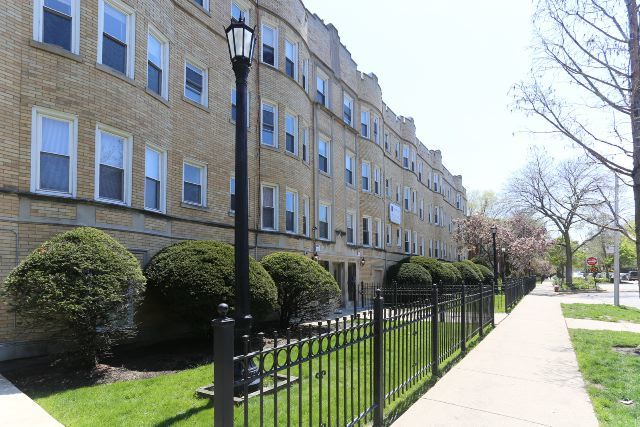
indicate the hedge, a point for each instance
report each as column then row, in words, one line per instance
column 82, row 282
column 469, row 275
column 476, row 268
column 413, row 275
column 306, row 291
column 193, row 277
column 487, row 274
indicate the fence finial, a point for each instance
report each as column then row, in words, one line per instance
column 223, row 309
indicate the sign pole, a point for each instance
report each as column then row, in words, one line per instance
column 616, row 252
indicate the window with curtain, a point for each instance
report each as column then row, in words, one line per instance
column 115, row 38
column 55, row 154
column 324, row 221
column 57, row 23
column 112, row 167
column 193, row 182
column 153, row 179
column 268, row 208
column 269, row 136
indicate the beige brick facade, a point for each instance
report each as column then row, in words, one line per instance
column 35, row 76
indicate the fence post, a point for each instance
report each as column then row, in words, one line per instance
column 395, row 294
column 434, row 329
column 463, row 320
column 223, row 330
column 481, row 311
column 378, row 359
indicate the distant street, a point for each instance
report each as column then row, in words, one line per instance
column 628, row 295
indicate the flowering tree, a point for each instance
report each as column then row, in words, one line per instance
column 523, row 239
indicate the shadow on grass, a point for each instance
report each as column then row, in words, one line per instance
column 412, row 397
column 184, row 415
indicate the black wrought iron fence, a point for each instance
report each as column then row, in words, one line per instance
column 347, row 370
column 515, row 289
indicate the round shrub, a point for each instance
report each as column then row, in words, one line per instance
column 469, row 275
column 476, row 268
column 82, row 282
column 392, row 272
column 487, row 274
column 306, row 291
column 193, row 277
column 455, row 275
column 438, row 270
column 413, row 275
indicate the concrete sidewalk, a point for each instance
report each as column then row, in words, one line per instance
column 523, row 373
column 599, row 325
column 17, row 410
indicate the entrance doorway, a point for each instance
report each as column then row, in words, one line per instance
column 351, row 281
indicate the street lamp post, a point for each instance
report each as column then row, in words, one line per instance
column 504, row 264
column 241, row 40
column 494, row 231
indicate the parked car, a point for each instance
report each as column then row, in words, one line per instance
column 624, row 276
column 633, row 275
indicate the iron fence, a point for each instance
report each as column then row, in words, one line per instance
column 345, row 371
column 515, row 289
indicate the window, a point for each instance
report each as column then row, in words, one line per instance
column 430, row 214
column 232, row 195
column 376, row 136
column 422, row 246
column 437, row 251
column 420, row 171
column 269, row 207
column 386, row 142
column 322, row 87
column 377, row 234
column 269, row 46
column 422, row 209
column 437, row 214
column 113, row 165
column 116, row 36
column 430, row 248
column 398, row 194
column 397, row 150
column 407, row 196
column 234, row 106
column 305, row 145
column 53, row 156
column 237, row 12
column 203, row 3
column 435, row 182
column 269, row 124
column 324, row 221
column 413, row 161
column 305, row 75
column 305, row 216
column 291, row 134
column 195, row 85
column 388, row 234
column 291, row 59
column 157, row 63
column 349, row 161
column 414, row 201
column 291, row 212
column 387, row 187
column 323, row 156
column 366, row 231
column 415, row 243
column 194, row 177
column 407, row 241
column 399, row 237
column 154, row 192
column 350, row 229
column 57, row 22
column 376, row 181
column 347, row 110
column 364, row 124
column 405, row 157
column 366, row 176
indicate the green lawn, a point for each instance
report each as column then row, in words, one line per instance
column 610, row 376
column 499, row 302
column 604, row 312
column 171, row 400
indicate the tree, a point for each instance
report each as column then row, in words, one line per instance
column 585, row 84
column 485, row 203
column 83, row 284
column 557, row 257
column 563, row 194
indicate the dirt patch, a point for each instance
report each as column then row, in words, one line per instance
column 41, row 376
column 628, row 351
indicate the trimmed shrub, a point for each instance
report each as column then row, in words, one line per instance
column 193, row 277
column 469, row 275
column 456, row 276
column 392, row 272
column 306, row 291
column 487, row 274
column 82, row 282
column 476, row 268
column 413, row 275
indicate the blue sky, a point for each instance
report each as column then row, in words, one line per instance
column 450, row 65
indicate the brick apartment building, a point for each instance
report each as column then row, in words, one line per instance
column 119, row 114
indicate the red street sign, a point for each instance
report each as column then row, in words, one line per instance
column 592, row 260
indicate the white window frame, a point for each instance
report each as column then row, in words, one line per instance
column 328, row 154
column 377, row 174
column 369, row 230
column 320, row 75
column 131, row 32
column 430, row 248
column 204, row 96
column 38, row 24
column 203, row 180
column 365, row 165
column 414, row 243
column 406, row 201
column 275, row 48
column 275, row 123
column 387, row 146
column 305, row 75
column 389, row 239
column 414, row 201
column 328, row 206
column 276, row 201
column 421, row 246
column 152, row 31
column 232, row 179
column 349, row 156
column 422, row 209
column 36, row 145
column 354, row 228
column 376, row 130
column 398, row 150
column 399, row 237
column 305, row 145
column 244, row 12
column 294, row 59
column 295, row 133
column 365, row 119
column 305, row 213
column 346, row 97
column 295, row 211
column 407, row 241
column 406, row 155
column 163, row 178
column 127, row 163
column 378, row 233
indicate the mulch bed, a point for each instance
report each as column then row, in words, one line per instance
column 43, row 375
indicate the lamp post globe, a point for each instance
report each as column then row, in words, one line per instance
column 241, row 41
